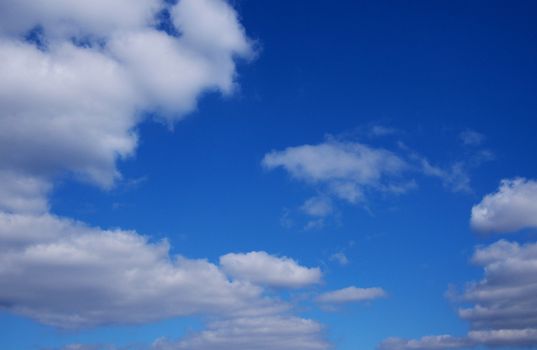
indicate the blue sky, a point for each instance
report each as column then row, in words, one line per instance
column 358, row 175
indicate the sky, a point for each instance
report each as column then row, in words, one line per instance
column 268, row 175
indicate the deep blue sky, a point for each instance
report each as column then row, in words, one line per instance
column 428, row 69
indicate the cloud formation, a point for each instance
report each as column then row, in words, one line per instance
column 66, row 274
column 504, row 311
column 69, row 275
column 262, row 333
column 513, row 207
column 264, row 269
column 345, row 169
column 77, row 77
column 350, row 295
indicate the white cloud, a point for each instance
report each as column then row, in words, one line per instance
column 262, row 333
column 351, row 294
column 506, row 297
column 71, row 101
column 264, row 269
column 72, row 108
column 347, row 169
column 504, row 310
column 512, row 208
column 64, row 273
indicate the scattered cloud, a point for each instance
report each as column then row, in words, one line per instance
column 503, row 311
column 77, row 80
column 344, row 169
column 352, row 172
column 455, row 177
column 264, row 269
column 350, row 295
column 263, row 333
column 513, row 207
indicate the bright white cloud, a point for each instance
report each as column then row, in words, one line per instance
column 504, row 311
column 64, row 273
column 513, row 207
column 71, row 100
column 74, row 108
column 350, row 295
column 262, row 333
column 264, row 269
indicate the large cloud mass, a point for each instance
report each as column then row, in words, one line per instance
column 77, row 78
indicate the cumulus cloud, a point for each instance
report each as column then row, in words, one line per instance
column 72, row 98
column 513, row 207
column 66, row 274
column 350, row 295
column 345, row 169
column 504, row 310
column 264, row 269
column 77, row 79
column 263, row 333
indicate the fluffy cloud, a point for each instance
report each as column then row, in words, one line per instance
column 346, row 169
column 506, row 298
column 72, row 96
column 263, row 333
column 504, row 310
column 351, row 294
column 264, row 269
column 64, row 273
column 512, row 208
column 77, row 78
